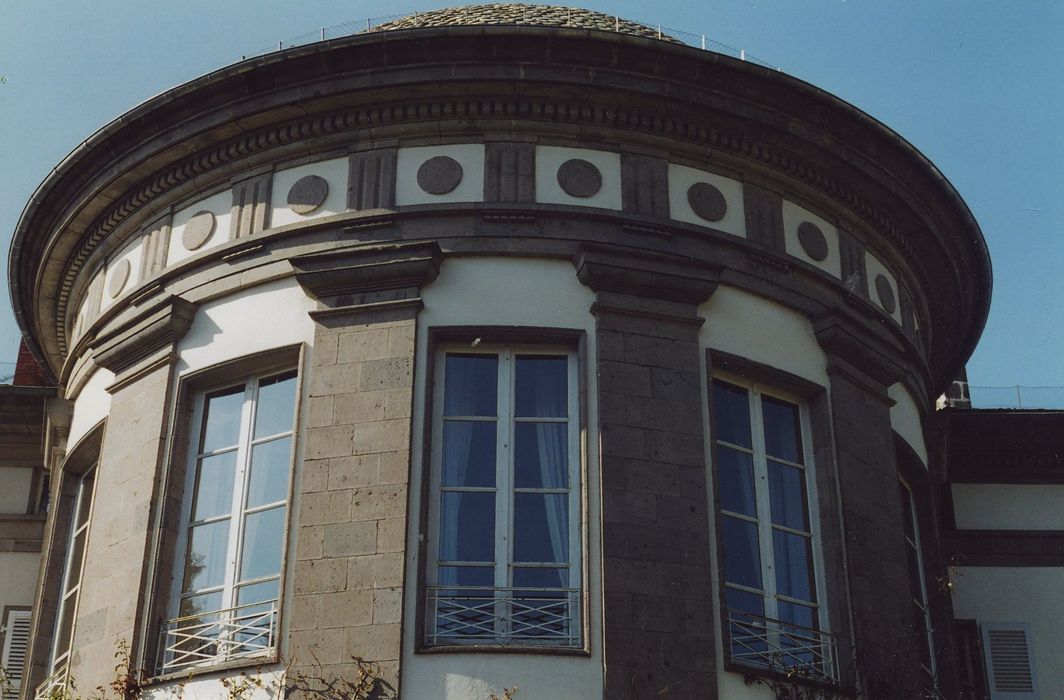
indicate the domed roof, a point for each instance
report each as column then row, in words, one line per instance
column 520, row 14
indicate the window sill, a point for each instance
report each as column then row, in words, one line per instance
column 768, row 676
column 502, row 649
column 189, row 672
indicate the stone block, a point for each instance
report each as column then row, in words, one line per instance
column 314, row 476
column 358, row 346
column 320, row 576
column 320, row 412
column 374, row 642
column 388, row 373
column 310, row 542
column 382, row 436
column 329, row 442
column 305, row 610
column 359, row 407
column 378, row 502
column 391, row 535
column 624, row 506
column 353, row 472
column 324, row 507
column 387, row 605
column 318, row 646
column 335, row 379
column 347, row 609
column 350, row 538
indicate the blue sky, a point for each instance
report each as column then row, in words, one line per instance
column 977, row 86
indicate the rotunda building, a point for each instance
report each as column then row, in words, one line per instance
column 498, row 346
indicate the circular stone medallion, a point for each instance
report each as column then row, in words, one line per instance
column 813, row 242
column 439, row 175
column 707, row 201
column 119, row 277
column 578, row 178
column 885, row 293
column 307, row 194
column 198, row 230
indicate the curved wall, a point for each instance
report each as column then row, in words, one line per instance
column 349, row 201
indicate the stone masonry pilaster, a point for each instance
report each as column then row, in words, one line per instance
column 352, row 513
column 658, row 629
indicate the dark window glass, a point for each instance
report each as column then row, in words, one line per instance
column 731, row 414
column 540, row 386
column 471, row 385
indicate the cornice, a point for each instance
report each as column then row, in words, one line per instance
column 626, row 120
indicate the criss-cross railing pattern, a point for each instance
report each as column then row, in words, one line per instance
column 782, row 646
column 56, row 686
column 503, row 616
column 216, row 637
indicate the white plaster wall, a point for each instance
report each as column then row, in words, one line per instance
column 874, row 268
column 529, row 293
column 131, row 253
column 905, row 419
column 91, row 405
column 749, row 326
column 471, row 189
column 15, row 485
column 550, row 158
column 1009, row 507
column 18, row 577
column 680, row 180
column 332, row 171
column 210, row 688
column 1019, row 594
column 258, row 318
column 220, row 205
column 793, row 216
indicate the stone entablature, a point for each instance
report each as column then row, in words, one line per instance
column 347, row 131
column 458, row 174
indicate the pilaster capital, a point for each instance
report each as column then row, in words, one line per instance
column 144, row 335
column 358, row 275
column 657, row 276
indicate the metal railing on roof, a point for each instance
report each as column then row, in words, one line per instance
column 366, row 24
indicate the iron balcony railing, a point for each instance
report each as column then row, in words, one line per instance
column 782, row 646
column 504, row 616
column 56, row 686
column 206, row 639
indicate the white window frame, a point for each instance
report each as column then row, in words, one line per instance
column 922, row 603
column 504, row 491
column 70, row 593
column 765, row 527
column 237, row 514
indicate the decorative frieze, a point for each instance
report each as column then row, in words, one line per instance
column 251, row 207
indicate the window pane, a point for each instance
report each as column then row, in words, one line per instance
column 467, row 526
column 466, row 576
column 205, row 565
column 906, row 511
column 744, row 601
column 794, row 565
column 914, row 572
column 66, row 623
column 470, row 385
column 541, row 577
column 787, row 492
column 85, row 502
column 469, row 453
column 214, row 487
column 541, row 458
column 797, row 643
column 268, row 482
column 263, row 541
column 221, row 419
column 541, row 386
column 276, row 405
column 736, row 473
column 264, row 592
column 200, row 604
column 783, row 437
column 77, row 557
column 731, row 413
column 742, row 555
column 541, row 527
column 748, row 632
